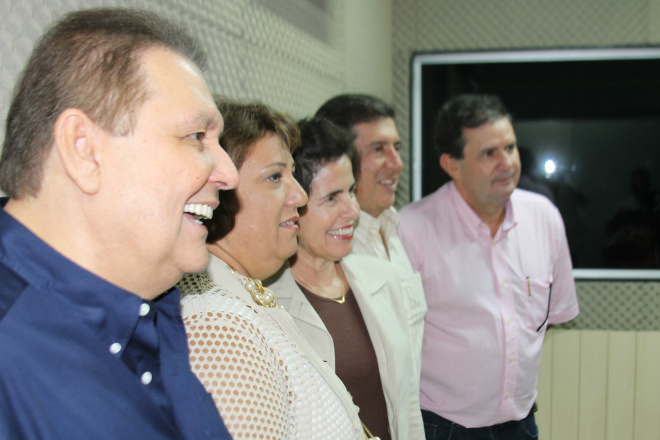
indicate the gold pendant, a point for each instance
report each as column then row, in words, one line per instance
column 260, row 294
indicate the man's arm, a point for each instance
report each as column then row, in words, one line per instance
column 564, row 304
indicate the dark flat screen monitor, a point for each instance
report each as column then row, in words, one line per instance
column 588, row 129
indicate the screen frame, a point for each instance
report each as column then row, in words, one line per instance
column 419, row 60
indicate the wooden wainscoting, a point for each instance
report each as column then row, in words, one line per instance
column 599, row 385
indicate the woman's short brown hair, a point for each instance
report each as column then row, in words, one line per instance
column 245, row 125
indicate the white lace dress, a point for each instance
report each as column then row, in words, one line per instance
column 262, row 382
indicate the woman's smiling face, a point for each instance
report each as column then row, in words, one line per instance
column 266, row 229
column 326, row 224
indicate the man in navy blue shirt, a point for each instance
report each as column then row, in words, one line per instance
column 110, row 161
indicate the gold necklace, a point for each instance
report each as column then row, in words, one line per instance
column 367, row 434
column 312, row 289
column 260, row 294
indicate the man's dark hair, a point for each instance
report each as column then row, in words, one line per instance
column 89, row 60
column 245, row 125
column 464, row 111
column 322, row 143
column 351, row 109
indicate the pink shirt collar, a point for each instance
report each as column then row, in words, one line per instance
column 470, row 221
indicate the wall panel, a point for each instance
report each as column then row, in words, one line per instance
column 620, row 385
column 565, row 383
column 600, row 384
column 592, row 384
column 647, row 391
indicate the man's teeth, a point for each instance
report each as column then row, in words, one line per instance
column 288, row 223
column 342, row 231
column 388, row 182
column 202, row 212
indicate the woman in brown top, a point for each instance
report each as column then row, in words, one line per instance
column 346, row 306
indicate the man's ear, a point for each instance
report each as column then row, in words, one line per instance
column 74, row 136
column 449, row 164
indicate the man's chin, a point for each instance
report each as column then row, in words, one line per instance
column 505, row 186
column 197, row 263
column 387, row 201
column 503, row 196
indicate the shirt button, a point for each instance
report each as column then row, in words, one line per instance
column 115, row 348
column 503, row 283
column 508, row 321
column 507, row 395
column 512, row 358
column 144, row 309
column 146, row 378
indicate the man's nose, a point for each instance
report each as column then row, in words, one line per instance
column 394, row 159
column 224, row 174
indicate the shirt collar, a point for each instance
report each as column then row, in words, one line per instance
column 471, row 222
column 509, row 216
column 387, row 220
column 112, row 310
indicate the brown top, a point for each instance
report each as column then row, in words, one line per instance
column 355, row 358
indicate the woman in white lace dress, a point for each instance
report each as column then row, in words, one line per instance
column 265, row 379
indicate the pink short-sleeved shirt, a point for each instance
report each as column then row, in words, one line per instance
column 489, row 299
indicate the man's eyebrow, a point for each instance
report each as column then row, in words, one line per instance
column 204, row 120
column 332, row 193
column 384, row 142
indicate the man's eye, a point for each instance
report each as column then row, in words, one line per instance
column 199, row 136
column 275, row 177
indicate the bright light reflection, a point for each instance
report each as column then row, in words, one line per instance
column 549, row 167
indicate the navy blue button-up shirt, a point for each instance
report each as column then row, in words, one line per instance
column 81, row 358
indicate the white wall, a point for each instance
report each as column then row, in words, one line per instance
column 368, row 64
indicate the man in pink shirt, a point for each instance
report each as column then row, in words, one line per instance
column 496, row 270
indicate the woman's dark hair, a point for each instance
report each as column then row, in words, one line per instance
column 322, row 142
column 245, row 125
